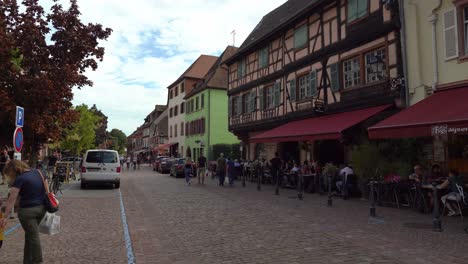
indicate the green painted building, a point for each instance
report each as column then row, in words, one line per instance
column 206, row 118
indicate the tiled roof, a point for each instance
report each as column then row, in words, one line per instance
column 198, row 69
column 216, row 76
column 274, row 20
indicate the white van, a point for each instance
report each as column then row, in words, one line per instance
column 100, row 166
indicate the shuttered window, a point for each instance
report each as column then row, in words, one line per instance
column 357, row 9
column 303, row 84
column 240, row 69
column 263, row 58
column 300, row 37
column 450, row 34
column 182, row 129
column 334, row 77
column 202, row 101
column 277, row 94
column 261, row 95
column 253, row 99
column 269, row 97
column 465, row 28
column 246, row 103
column 312, row 87
column 292, row 90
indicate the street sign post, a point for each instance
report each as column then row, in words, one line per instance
column 19, row 116
column 18, row 139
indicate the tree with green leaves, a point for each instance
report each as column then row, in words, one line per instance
column 81, row 135
column 119, row 140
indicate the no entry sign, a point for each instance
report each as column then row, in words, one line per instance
column 18, row 139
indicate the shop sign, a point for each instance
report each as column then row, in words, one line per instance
column 458, row 130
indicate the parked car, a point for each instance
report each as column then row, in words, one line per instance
column 100, row 166
column 157, row 162
column 177, row 168
column 165, row 165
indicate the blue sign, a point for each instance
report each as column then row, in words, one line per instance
column 19, row 116
column 18, row 139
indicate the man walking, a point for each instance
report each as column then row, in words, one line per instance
column 275, row 169
column 51, row 165
column 221, row 169
column 201, row 169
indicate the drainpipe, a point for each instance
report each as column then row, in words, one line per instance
column 208, row 150
column 433, row 20
column 404, row 54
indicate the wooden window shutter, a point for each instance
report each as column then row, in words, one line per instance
column 312, row 87
column 253, row 99
column 292, row 90
column 334, row 77
column 230, row 107
column 261, row 99
column 186, row 129
column 277, row 94
column 450, row 34
column 239, row 105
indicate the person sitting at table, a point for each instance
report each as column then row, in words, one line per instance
column 305, row 169
column 453, row 180
column 435, row 174
column 417, row 176
column 347, row 170
column 292, row 179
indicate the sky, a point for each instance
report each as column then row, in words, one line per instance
column 152, row 44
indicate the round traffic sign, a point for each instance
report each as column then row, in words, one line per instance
column 18, row 139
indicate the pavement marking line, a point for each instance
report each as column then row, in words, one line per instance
column 128, row 240
column 12, row 229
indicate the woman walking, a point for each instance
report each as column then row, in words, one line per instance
column 29, row 186
column 188, row 170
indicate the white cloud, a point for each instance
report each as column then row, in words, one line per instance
column 153, row 43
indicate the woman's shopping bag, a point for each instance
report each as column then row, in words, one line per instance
column 50, row 224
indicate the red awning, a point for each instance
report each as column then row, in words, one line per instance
column 318, row 128
column 447, row 108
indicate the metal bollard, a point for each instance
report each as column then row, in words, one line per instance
column 259, row 179
column 372, row 199
column 300, row 187
column 330, row 201
column 437, row 224
column 277, row 182
column 344, row 187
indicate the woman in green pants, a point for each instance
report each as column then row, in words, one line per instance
column 28, row 185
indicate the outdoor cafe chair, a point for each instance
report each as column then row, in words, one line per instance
column 453, row 198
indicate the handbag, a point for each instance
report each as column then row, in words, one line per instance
column 50, row 224
column 51, row 202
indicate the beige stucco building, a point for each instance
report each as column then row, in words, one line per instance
column 176, row 103
column 436, row 38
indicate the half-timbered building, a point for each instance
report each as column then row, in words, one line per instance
column 313, row 74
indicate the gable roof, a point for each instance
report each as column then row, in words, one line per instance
column 217, row 75
column 198, row 69
column 273, row 22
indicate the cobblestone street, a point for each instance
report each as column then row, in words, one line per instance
column 173, row 223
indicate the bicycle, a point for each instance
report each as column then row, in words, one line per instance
column 57, row 179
